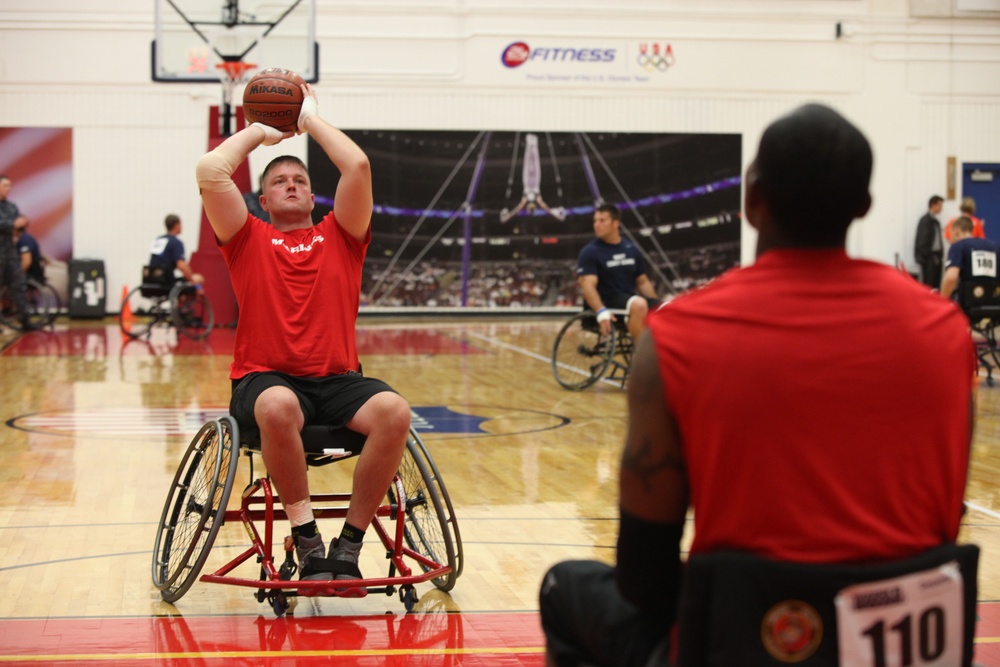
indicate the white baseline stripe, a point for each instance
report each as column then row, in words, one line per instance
column 508, row 346
column 527, row 353
column 978, row 508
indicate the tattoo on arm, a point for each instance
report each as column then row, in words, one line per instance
column 642, row 460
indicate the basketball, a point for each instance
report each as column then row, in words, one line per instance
column 274, row 97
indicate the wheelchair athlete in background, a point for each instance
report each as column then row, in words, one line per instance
column 617, row 297
column 970, row 260
column 295, row 358
column 612, row 275
column 970, row 278
column 41, row 301
column 166, row 255
column 163, row 297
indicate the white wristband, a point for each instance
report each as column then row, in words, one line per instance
column 309, row 108
column 603, row 315
column 272, row 135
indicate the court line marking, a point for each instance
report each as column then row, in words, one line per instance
column 508, row 346
column 548, row 360
column 21, row 566
column 529, row 353
column 979, row 508
column 194, row 655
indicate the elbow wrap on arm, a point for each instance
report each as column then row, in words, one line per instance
column 649, row 564
column 216, row 168
column 215, row 171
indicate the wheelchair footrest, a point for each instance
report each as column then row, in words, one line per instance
column 351, row 592
column 334, row 566
column 333, row 589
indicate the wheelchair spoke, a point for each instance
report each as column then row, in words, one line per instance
column 581, row 354
column 143, row 309
column 194, row 510
column 430, row 528
column 192, row 312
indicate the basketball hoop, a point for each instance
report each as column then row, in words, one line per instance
column 233, row 72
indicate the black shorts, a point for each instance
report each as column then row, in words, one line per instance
column 587, row 621
column 619, row 301
column 332, row 400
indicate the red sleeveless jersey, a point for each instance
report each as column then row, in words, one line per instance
column 823, row 408
column 298, row 295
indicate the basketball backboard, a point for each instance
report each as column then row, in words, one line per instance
column 194, row 36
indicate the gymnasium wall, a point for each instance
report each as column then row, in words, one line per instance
column 922, row 78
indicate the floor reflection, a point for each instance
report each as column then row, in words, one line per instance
column 98, row 340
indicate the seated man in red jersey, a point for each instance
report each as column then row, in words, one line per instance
column 295, row 358
column 827, row 434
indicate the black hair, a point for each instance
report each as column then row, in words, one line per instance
column 936, row 199
column 813, row 168
column 610, row 209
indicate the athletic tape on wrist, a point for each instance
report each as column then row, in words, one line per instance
column 272, row 135
column 603, row 315
column 309, row 108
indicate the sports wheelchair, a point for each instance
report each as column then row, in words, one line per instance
column 739, row 609
column 581, row 355
column 162, row 300
column 417, row 512
column 981, row 303
column 42, row 301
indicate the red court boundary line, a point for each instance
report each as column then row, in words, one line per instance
column 488, row 639
column 474, row 639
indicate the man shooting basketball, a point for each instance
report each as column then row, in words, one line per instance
column 295, row 358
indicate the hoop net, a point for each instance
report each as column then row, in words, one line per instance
column 233, row 72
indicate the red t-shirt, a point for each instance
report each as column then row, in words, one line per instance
column 298, row 295
column 823, row 408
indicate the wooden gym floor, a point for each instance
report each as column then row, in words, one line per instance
column 94, row 427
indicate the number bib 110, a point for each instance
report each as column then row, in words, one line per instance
column 909, row 621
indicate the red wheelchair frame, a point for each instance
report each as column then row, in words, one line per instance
column 418, row 512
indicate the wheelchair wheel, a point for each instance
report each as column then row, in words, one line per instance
column 430, row 527
column 195, row 508
column 44, row 303
column 37, row 299
column 192, row 313
column 581, row 354
column 8, row 311
column 139, row 313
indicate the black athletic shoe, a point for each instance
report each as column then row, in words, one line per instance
column 344, row 558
